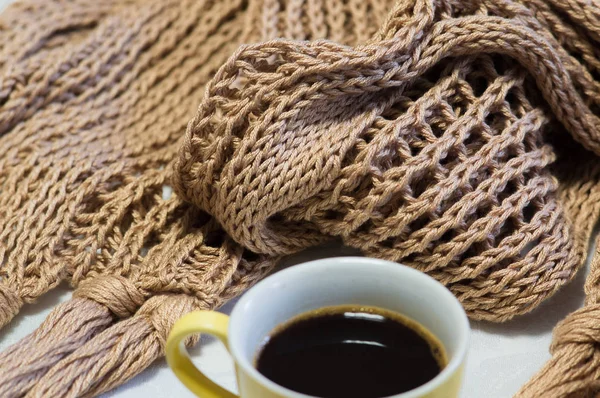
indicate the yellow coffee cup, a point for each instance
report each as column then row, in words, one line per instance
column 314, row 285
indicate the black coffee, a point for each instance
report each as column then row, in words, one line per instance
column 362, row 352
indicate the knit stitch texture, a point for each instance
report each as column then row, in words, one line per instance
column 457, row 137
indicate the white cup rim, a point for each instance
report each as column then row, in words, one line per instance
column 395, row 269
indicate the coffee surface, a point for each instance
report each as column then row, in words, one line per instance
column 350, row 352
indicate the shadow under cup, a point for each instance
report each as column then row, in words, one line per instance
column 348, row 281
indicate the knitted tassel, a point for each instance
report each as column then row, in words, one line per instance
column 130, row 346
column 117, row 354
column 63, row 331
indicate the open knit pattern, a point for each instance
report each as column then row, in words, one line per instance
column 458, row 137
column 438, row 163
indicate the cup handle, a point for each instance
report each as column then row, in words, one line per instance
column 210, row 322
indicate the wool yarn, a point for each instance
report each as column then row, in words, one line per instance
column 115, row 158
column 422, row 147
column 446, row 171
column 458, row 137
column 139, row 257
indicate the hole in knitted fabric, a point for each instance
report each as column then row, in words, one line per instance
column 499, row 266
column 167, row 191
column 416, row 147
column 273, row 59
column 333, row 215
column 350, row 157
column 413, row 259
column 475, row 141
column 511, row 187
column 421, row 182
column 501, row 64
column 393, row 112
column 389, row 242
column 150, row 241
column 250, row 256
column 451, row 160
column 431, row 128
column 529, row 211
column 513, row 100
column 113, row 184
column 514, row 151
column 478, row 83
column 474, row 250
column 124, row 224
column 369, row 135
column 265, row 64
column 239, row 82
column 437, row 129
column 441, row 70
column 595, row 108
column 509, row 227
column 418, row 223
column 460, row 103
column 364, row 228
column 594, row 72
column 412, row 94
column 447, row 236
column 199, row 220
column 496, row 122
column 484, row 208
column 214, row 239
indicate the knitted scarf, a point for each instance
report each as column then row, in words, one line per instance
column 457, row 137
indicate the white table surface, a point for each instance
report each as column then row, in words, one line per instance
column 501, row 357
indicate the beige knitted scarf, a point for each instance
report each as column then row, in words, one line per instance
column 458, row 137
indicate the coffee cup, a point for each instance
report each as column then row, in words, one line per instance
column 306, row 288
